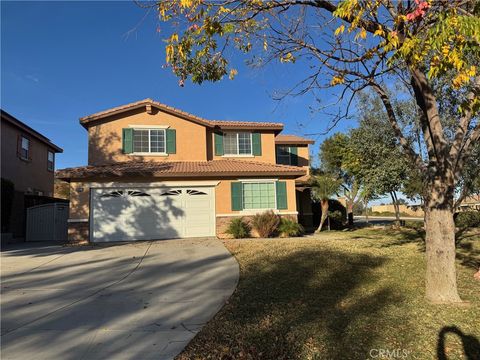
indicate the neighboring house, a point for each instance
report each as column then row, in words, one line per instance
column 155, row 172
column 28, row 161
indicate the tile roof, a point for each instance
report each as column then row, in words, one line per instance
column 292, row 139
column 174, row 111
column 227, row 124
column 305, row 179
column 172, row 169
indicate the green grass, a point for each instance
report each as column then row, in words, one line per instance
column 338, row 296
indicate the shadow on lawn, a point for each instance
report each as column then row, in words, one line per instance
column 467, row 254
column 309, row 303
column 471, row 345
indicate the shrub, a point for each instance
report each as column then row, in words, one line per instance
column 468, row 219
column 266, row 224
column 289, row 228
column 337, row 220
column 238, row 228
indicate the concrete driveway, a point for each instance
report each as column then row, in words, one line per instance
column 143, row 300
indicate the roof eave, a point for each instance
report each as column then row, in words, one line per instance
column 292, row 142
column 86, row 121
column 69, row 177
column 19, row 124
column 249, row 127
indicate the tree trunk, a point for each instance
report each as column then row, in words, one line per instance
column 350, row 212
column 441, row 278
column 396, row 207
column 366, row 211
column 324, row 207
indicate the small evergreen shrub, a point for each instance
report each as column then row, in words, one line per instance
column 266, row 224
column 468, row 219
column 238, row 228
column 289, row 228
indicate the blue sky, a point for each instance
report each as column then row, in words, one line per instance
column 64, row 60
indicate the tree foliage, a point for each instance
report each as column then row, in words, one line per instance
column 324, row 187
column 380, row 161
column 338, row 159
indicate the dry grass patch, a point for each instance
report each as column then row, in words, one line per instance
column 338, row 296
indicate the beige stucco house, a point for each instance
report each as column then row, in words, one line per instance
column 157, row 172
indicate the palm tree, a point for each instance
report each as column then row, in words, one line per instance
column 323, row 188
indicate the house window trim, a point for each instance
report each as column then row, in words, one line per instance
column 20, row 156
column 150, row 153
column 257, row 181
column 238, row 144
column 145, row 127
column 53, row 161
column 289, row 154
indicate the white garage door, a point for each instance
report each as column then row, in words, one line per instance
column 126, row 214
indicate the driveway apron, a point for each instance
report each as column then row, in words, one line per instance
column 142, row 300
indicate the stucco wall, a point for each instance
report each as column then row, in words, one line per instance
column 31, row 174
column 303, row 156
column 105, row 138
column 79, row 200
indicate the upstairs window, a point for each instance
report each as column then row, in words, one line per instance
column 50, row 161
column 149, row 141
column 287, row 155
column 237, row 143
column 24, row 148
column 283, row 155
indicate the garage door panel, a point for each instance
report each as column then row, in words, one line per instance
column 152, row 213
column 121, row 215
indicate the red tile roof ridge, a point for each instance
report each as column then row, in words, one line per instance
column 148, row 101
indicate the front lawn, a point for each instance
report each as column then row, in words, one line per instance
column 341, row 295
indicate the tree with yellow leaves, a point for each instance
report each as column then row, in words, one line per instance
column 430, row 47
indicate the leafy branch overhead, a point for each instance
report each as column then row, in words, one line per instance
column 437, row 35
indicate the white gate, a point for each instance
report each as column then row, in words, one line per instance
column 47, row 222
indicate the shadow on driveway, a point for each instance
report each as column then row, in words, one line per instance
column 134, row 300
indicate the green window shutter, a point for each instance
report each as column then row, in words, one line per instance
column 282, row 195
column 127, row 140
column 171, row 135
column 218, row 144
column 293, row 156
column 257, row 144
column 237, row 196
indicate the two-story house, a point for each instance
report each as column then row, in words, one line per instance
column 28, row 162
column 155, row 172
